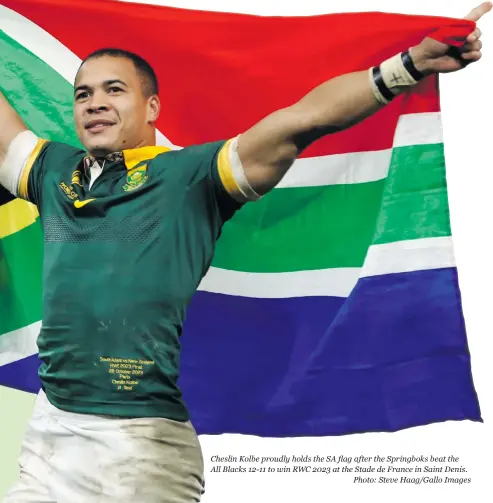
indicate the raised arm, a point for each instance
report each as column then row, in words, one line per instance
column 10, row 126
column 16, row 144
column 268, row 149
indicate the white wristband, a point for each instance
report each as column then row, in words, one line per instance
column 393, row 77
column 395, row 74
column 15, row 161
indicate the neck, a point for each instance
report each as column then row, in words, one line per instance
column 149, row 141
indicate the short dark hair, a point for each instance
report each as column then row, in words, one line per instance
column 144, row 69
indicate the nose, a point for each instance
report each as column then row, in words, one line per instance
column 98, row 103
column 94, row 109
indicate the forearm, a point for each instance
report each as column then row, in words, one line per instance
column 333, row 106
column 346, row 100
column 10, row 126
column 269, row 148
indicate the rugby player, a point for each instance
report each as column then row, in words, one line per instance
column 129, row 231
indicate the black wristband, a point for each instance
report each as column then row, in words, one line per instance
column 409, row 66
column 382, row 87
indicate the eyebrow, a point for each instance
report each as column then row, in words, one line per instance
column 106, row 83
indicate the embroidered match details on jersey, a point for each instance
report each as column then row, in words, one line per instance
column 152, row 213
column 126, row 373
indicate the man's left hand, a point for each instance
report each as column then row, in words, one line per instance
column 432, row 56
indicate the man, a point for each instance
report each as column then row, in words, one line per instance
column 110, row 423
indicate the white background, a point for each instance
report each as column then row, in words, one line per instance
column 467, row 110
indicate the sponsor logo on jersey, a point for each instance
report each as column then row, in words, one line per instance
column 68, row 191
column 81, row 204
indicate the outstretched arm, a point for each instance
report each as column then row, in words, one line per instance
column 269, row 148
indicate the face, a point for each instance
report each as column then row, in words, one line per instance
column 110, row 109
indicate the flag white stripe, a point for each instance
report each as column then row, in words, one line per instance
column 337, row 282
column 418, row 129
column 338, row 169
column 19, row 344
column 362, row 167
column 391, row 258
column 410, row 255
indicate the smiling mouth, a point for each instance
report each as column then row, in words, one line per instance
column 97, row 127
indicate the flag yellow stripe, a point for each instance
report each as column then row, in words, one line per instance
column 15, row 216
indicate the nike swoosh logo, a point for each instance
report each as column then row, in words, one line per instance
column 81, row 204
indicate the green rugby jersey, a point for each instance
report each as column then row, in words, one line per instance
column 121, row 263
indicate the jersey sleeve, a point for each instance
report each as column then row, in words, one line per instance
column 226, row 190
column 46, row 155
column 209, row 164
column 31, row 173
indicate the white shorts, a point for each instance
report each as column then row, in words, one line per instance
column 78, row 458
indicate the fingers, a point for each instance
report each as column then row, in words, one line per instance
column 471, row 50
column 475, row 46
column 475, row 35
column 477, row 13
column 471, row 56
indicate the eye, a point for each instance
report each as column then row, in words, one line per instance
column 82, row 96
column 114, row 89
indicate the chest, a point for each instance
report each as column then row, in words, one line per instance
column 120, row 205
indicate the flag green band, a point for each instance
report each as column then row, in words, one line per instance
column 21, row 257
column 305, row 228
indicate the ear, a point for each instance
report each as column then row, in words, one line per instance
column 153, row 109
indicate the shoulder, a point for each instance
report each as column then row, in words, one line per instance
column 55, row 155
column 189, row 162
column 203, row 153
column 60, row 150
column 165, row 155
